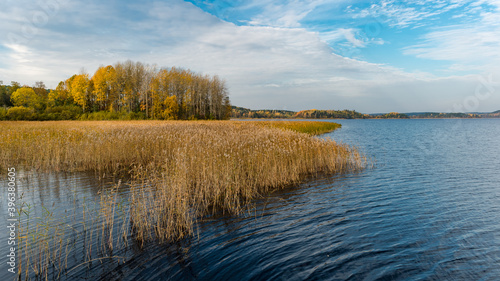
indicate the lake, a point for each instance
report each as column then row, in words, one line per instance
column 426, row 208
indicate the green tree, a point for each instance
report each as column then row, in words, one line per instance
column 26, row 97
column 4, row 95
column 21, row 113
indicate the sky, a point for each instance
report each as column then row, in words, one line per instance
column 368, row 56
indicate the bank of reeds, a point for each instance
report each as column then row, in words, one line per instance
column 180, row 170
column 308, row 127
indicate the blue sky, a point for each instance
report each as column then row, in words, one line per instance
column 371, row 56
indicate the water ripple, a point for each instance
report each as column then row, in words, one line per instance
column 428, row 210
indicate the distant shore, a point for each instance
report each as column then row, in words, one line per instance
column 245, row 113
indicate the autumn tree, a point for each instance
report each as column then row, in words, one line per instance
column 171, row 93
column 60, row 96
column 130, row 79
column 104, row 79
column 139, row 78
column 157, row 95
column 146, row 88
column 40, row 90
column 171, row 108
column 26, row 97
column 79, row 90
column 14, row 86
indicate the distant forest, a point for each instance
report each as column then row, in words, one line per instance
column 125, row 90
column 495, row 114
column 240, row 112
column 443, row 115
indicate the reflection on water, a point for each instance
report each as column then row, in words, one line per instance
column 60, row 219
column 428, row 209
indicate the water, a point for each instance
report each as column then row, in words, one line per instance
column 429, row 209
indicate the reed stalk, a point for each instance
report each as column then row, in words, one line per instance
column 180, row 170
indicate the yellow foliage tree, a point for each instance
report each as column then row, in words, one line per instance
column 135, row 87
column 26, row 97
column 103, row 80
column 59, row 96
column 171, row 111
column 79, row 90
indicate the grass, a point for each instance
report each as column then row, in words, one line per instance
column 309, row 127
column 116, row 146
column 180, row 170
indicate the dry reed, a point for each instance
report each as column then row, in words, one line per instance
column 308, row 127
column 181, row 170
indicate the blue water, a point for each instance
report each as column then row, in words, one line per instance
column 427, row 208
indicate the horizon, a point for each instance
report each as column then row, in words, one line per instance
column 374, row 113
column 401, row 56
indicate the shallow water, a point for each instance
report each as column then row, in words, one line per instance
column 429, row 209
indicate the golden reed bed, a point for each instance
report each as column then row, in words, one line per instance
column 180, row 170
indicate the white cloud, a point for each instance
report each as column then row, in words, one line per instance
column 340, row 34
column 265, row 66
column 472, row 46
column 406, row 13
column 282, row 13
column 19, row 53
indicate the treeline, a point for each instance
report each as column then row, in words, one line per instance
column 495, row 114
column 392, row 115
column 6, row 92
column 240, row 112
column 330, row 114
column 443, row 115
column 125, row 90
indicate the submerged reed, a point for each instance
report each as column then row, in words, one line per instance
column 181, row 170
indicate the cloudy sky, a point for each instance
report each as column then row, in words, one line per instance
column 371, row 56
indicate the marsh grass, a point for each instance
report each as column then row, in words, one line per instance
column 307, row 127
column 180, row 171
column 42, row 243
column 46, row 242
